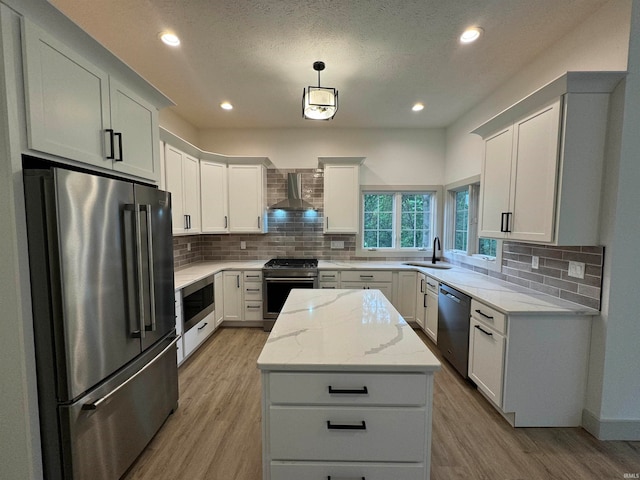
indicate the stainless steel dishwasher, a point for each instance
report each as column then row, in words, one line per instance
column 454, row 310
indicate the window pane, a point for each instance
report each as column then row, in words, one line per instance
column 416, row 220
column 386, row 238
column 370, row 239
column 461, row 220
column 386, row 220
column 487, row 246
column 378, row 221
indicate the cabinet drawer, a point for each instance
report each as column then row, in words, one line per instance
column 253, row 291
column 366, row 276
column 253, row 310
column 432, row 285
column 343, row 471
column 348, row 389
column 199, row 333
column 489, row 315
column 328, row 276
column 486, row 360
column 323, row 433
column 329, row 285
column 252, row 276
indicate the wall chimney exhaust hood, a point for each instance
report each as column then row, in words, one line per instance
column 294, row 201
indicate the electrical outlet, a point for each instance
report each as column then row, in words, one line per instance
column 337, row 244
column 188, row 247
column 535, row 262
column 243, row 245
column 576, row 269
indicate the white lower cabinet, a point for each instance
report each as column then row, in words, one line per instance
column 218, row 298
column 368, row 279
column 405, row 298
column 198, row 334
column 346, row 425
column 486, row 357
column 431, row 312
column 232, row 288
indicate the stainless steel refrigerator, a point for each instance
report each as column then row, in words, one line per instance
column 101, row 264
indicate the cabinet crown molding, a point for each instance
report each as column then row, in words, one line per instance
column 340, row 161
column 570, row 82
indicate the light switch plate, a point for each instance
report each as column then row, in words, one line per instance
column 576, row 269
column 337, row 244
column 243, row 245
column 188, row 247
column 535, row 262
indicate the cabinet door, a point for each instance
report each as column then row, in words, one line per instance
column 341, row 198
column 67, row 100
column 406, row 297
column 246, row 202
column 232, row 289
column 218, row 294
column 173, row 184
column 495, row 184
column 534, row 173
column 136, row 122
column 486, row 360
column 213, row 197
column 191, row 192
column 431, row 317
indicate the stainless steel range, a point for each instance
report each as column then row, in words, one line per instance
column 280, row 276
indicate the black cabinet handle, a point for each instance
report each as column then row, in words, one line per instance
column 484, row 314
column 348, row 391
column 186, row 222
column 503, row 227
column 238, row 281
column 119, row 135
column 424, row 301
column 327, row 223
column 361, row 478
column 200, row 328
column 509, row 222
column 341, row 426
column 112, row 155
column 483, row 330
column 225, row 221
column 258, row 222
column 422, row 285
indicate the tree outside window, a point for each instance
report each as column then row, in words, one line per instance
column 378, row 221
column 461, row 220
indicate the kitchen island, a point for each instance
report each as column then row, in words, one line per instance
column 347, row 390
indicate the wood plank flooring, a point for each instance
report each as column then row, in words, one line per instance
column 216, row 433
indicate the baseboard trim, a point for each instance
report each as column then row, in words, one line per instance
column 627, row 430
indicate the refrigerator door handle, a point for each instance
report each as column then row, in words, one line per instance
column 100, row 401
column 139, row 266
column 152, row 293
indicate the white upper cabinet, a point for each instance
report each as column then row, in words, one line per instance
column 341, row 194
column 77, row 111
column 213, row 194
column 247, row 202
column 182, row 179
column 543, row 163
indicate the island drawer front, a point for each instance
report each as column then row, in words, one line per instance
column 366, row 276
column 384, row 434
column 290, row 388
column 344, row 471
column 488, row 315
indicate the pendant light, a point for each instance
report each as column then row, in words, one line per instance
column 319, row 103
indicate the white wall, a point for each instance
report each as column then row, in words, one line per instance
column 600, row 43
column 393, row 156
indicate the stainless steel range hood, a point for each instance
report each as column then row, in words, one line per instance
column 294, row 199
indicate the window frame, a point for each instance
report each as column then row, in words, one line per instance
column 470, row 255
column 436, row 215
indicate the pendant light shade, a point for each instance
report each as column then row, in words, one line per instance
column 319, row 103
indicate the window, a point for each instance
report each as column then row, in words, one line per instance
column 399, row 221
column 462, row 239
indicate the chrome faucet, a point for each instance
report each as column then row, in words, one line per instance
column 435, row 239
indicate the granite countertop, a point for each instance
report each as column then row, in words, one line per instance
column 506, row 297
column 344, row 330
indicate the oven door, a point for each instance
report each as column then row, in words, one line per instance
column 276, row 291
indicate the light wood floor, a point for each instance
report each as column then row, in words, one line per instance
column 216, row 434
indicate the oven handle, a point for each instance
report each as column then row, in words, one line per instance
column 290, row 279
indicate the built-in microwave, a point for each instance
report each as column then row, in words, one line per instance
column 197, row 301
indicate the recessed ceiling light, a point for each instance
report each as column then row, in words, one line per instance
column 417, row 107
column 226, row 106
column 471, row 35
column 170, row 39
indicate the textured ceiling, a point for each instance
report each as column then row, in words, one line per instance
column 382, row 55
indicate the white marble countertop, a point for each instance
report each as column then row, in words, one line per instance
column 344, row 330
column 506, row 297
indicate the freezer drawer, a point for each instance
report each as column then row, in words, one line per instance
column 105, row 431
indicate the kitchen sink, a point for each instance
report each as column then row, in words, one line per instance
column 439, row 265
